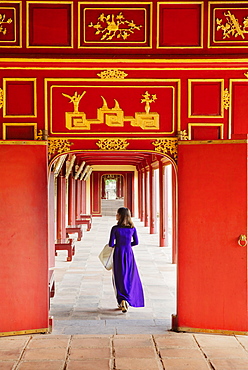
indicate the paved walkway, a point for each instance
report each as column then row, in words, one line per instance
column 169, row 351
column 85, row 302
column 90, row 334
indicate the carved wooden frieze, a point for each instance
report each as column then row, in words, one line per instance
column 115, row 25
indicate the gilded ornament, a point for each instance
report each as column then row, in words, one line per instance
column 182, row 135
column 113, row 117
column 148, row 99
column 1, row 98
column 226, row 99
column 75, row 99
column 232, row 27
column 112, row 144
column 166, row 146
column 58, row 146
column 114, row 73
column 111, row 26
column 39, row 136
column 246, row 74
column 3, row 30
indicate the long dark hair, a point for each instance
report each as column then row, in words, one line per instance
column 125, row 217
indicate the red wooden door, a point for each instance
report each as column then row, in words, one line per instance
column 212, row 266
column 24, row 238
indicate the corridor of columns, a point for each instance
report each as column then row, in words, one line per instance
column 85, row 302
column 87, row 186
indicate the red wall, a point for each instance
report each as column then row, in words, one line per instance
column 24, row 237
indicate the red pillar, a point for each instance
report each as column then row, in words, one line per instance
column 103, row 196
column 174, row 215
column 146, row 198
column 71, row 201
column 162, row 199
column 118, row 187
column 121, row 186
column 61, row 201
column 83, row 198
column 152, row 200
column 78, row 198
column 142, row 195
column 139, row 193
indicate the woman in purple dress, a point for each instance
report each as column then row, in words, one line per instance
column 126, row 280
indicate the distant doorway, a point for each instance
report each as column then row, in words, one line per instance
column 112, row 186
column 112, row 194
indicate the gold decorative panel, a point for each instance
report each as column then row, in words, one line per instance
column 228, row 24
column 111, row 116
column 10, row 24
column 115, row 25
column 102, row 107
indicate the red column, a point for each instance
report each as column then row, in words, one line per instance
column 61, row 201
column 146, row 198
column 152, row 200
column 103, row 188
column 118, row 186
column 121, row 186
column 142, row 195
column 139, row 193
column 174, row 215
column 83, row 198
column 95, row 180
column 78, row 198
column 162, row 197
column 71, row 201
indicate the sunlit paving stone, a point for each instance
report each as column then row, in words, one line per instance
column 85, row 295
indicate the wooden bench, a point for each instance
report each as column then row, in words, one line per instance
column 85, row 220
column 65, row 244
column 74, row 229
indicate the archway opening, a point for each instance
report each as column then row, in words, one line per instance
column 82, row 281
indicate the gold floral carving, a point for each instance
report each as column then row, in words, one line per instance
column 232, row 26
column 3, row 30
column 58, row 146
column 111, row 26
column 39, row 136
column 1, row 98
column 113, row 117
column 112, row 144
column 226, row 99
column 166, row 146
column 148, row 99
column 113, row 73
column 182, row 135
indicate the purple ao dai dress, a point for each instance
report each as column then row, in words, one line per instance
column 126, row 278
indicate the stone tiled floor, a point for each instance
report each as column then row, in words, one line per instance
column 169, row 351
column 91, row 334
column 85, row 302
